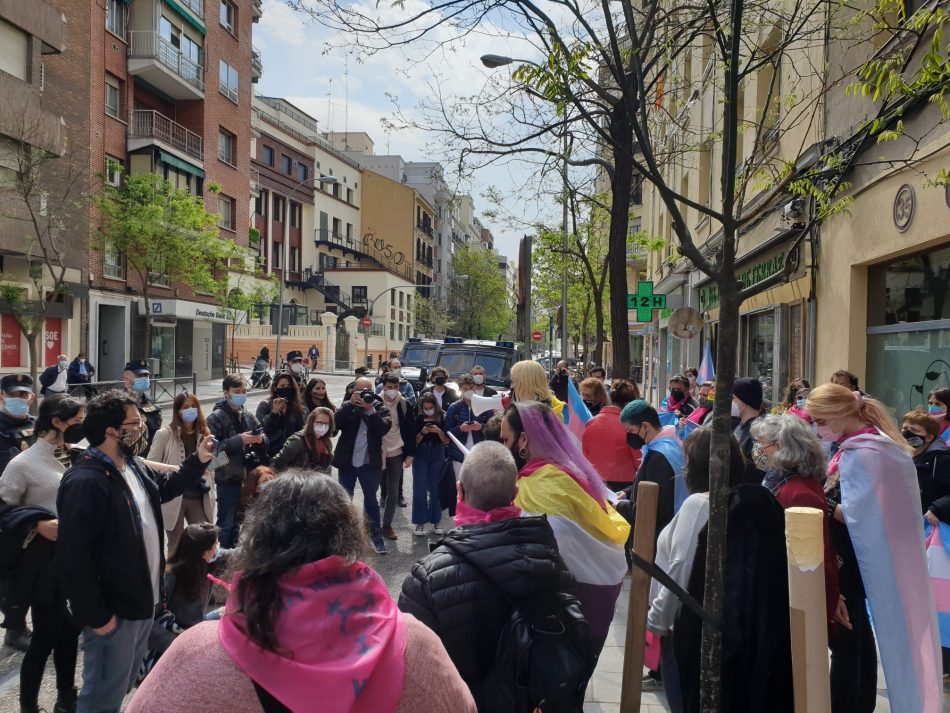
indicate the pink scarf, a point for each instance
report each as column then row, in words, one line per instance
column 465, row 514
column 340, row 638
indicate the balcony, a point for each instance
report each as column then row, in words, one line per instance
column 158, row 62
column 147, row 127
column 196, row 7
column 257, row 10
column 425, row 228
column 257, row 66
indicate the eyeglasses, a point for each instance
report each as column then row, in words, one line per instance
column 140, row 423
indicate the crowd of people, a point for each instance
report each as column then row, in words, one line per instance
column 217, row 562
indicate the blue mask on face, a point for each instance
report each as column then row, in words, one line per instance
column 238, row 400
column 141, row 384
column 800, row 403
column 217, row 553
column 18, row 408
column 189, row 415
column 936, row 410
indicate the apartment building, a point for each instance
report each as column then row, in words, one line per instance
column 42, row 110
column 170, row 93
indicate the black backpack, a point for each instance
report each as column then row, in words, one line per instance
column 543, row 659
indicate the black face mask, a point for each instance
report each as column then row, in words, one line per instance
column 285, row 392
column 635, row 441
column 706, row 403
column 74, row 433
column 913, row 440
column 676, row 395
column 439, row 381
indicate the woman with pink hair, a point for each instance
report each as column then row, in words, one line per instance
column 555, row 479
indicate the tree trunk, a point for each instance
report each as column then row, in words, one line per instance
column 32, row 338
column 599, row 327
column 621, row 134
column 726, row 352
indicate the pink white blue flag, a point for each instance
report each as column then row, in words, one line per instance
column 706, row 370
column 576, row 414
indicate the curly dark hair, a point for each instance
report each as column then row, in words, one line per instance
column 299, row 518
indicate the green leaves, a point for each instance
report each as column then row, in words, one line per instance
column 480, row 303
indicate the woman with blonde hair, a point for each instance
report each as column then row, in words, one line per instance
column 877, row 529
column 529, row 382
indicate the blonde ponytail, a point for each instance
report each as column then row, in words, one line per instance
column 833, row 401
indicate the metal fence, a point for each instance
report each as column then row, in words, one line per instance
column 160, row 390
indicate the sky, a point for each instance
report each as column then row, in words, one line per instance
column 311, row 67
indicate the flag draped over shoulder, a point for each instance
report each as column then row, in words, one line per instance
column 672, row 450
column 881, row 502
column 938, row 562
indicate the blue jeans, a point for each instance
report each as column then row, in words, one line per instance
column 428, row 463
column 369, row 483
column 229, row 500
column 110, row 664
column 671, row 675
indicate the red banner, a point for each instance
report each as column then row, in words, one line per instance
column 52, row 340
column 9, row 342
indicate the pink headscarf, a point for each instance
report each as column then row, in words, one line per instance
column 341, row 641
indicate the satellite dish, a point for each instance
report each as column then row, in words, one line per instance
column 685, row 323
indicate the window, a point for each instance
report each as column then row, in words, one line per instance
column 327, row 261
column 228, row 14
column 278, row 213
column 336, row 190
column 14, row 51
column 295, row 215
column 359, row 294
column 294, row 259
column 226, row 141
column 285, row 164
column 349, row 231
column 9, row 178
column 302, row 172
column 117, row 13
column 226, row 209
column 401, row 296
column 276, row 253
column 258, row 205
column 113, row 265
column 113, row 171
column 268, row 155
column 349, row 195
column 112, row 97
column 228, row 80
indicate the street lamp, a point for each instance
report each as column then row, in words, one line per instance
column 283, row 268
column 493, row 61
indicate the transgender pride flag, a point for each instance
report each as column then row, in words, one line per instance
column 706, row 370
column 576, row 414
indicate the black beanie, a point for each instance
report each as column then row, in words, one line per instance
column 749, row 391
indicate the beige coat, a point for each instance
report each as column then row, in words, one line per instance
column 167, row 448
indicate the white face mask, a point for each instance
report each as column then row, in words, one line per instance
column 296, row 368
column 479, row 379
column 396, row 372
column 467, row 395
column 63, row 363
column 429, row 411
column 391, row 394
column 735, row 410
column 321, row 429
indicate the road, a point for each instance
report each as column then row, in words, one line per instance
column 393, row 567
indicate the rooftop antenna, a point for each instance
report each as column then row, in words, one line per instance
column 346, row 102
column 330, row 107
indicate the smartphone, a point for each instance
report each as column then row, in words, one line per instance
column 219, row 461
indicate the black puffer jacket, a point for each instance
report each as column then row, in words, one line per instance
column 933, row 476
column 462, row 590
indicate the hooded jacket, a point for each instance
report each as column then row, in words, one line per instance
column 464, row 588
column 227, row 425
column 933, row 476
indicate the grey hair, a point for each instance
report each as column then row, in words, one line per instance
column 799, row 450
column 488, row 476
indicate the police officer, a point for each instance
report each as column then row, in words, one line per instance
column 137, row 381
column 16, row 435
column 297, row 369
column 16, row 423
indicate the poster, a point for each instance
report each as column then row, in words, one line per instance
column 52, row 340
column 9, row 342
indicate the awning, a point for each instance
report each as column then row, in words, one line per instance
column 176, row 162
column 176, row 6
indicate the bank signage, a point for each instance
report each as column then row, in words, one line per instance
column 184, row 309
column 749, row 275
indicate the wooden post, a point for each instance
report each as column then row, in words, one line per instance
column 644, row 544
column 804, row 540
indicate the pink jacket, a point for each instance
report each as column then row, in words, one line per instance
column 196, row 674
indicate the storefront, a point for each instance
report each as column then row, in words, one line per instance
column 908, row 328
column 187, row 337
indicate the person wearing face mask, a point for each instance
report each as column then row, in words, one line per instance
column 283, row 414
column 80, row 371
column 54, row 378
column 297, row 368
column 428, row 463
column 109, row 557
column 16, row 424
column 792, row 395
column 704, row 406
column 938, row 406
column 442, row 393
column 172, row 445
column 594, row 394
column 478, row 376
column 932, row 460
column 31, row 482
column 399, row 445
column 311, row 447
column 394, row 367
column 874, row 498
column 238, row 435
column 463, row 424
column 555, row 479
column 746, row 408
column 662, row 463
column 679, row 401
column 137, row 380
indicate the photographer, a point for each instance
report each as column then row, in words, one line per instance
column 283, row 414
column 362, row 422
column 240, row 444
column 558, row 383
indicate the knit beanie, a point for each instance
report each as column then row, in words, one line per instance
column 749, row 391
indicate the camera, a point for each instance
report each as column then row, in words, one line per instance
column 369, row 396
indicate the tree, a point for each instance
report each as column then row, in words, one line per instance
column 620, row 78
column 248, row 287
column 430, row 319
column 479, row 303
column 163, row 233
column 44, row 206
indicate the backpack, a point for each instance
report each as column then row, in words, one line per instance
column 543, row 659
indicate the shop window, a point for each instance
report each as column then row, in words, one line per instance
column 796, row 340
column 760, row 349
column 911, row 289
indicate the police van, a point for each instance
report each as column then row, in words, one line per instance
column 457, row 356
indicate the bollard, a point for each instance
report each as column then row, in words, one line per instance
column 644, row 544
column 805, row 543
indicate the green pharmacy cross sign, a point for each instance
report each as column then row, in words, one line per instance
column 644, row 302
